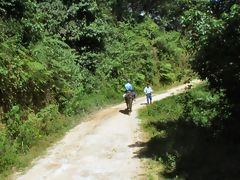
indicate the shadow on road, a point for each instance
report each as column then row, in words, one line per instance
column 125, row 111
column 138, row 144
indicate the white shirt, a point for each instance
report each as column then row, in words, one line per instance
column 148, row 90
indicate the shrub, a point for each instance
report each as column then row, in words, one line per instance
column 28, row 134
column 23, row 132
column 13, row 122
column 8, row 151
column 50, row 120
column 200, row 106
column 166, row 73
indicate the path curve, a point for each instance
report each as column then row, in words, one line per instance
column 98, row 149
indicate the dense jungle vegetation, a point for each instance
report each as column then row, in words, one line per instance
column 61, row 58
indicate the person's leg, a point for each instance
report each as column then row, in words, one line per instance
column 150, row 98
column 126, row 101
column 134, row 95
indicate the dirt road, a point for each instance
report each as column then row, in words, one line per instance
column 98, row 149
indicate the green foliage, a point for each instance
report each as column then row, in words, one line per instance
column 182, row 129
column 169, row 43
column 172, row 56
column 166, row 73
column 84, row 103
column 215, row 42
column 165, row 13
column 164, row 110
column 15, row 8
column 75, row 22
column 201, row 107
column 48, row 67
column 199, row 24
column 128, row 55
column 21, row 131
column 49, row 120
column 28, row 134
column 13, row 122
column 8, row 156
column 142, row 53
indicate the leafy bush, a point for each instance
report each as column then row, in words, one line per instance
column 173, row 57
column 23, row 132
column 168, row 109
column 8, row 151
column 13, row 122
column 201, row 107
column 198, row 106
column 50, row 120
column 166, row 73
column 28, row 135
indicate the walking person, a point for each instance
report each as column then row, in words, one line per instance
column 148, row 91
